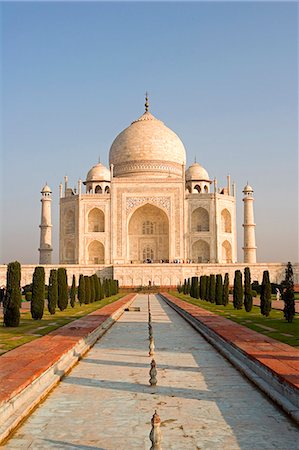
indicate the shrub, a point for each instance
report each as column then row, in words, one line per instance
column 253, row 293
column 265, row 304
column 81, row 289
column 12, row 299
column 62, row 289
column 288, row 295
column 225, row 296
column 73, row 292
column 219, row 289
column 247, row 290
column 38, row 293
column 238, row 290
column 28, row 296
column 256, row 287
column 52, row 291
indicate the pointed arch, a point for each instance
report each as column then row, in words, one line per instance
column 226, row 221
column 96, row 220
column 96, row 253
column 98, row 189
column 226, row 252
column 69, row 222
column 201, row 251
column 70, row 252
column 200, row 220
column 148, row 234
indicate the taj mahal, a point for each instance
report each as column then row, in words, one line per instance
column 147, row 217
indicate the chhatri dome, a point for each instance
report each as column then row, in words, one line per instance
column 197, row 172
column 147, row 148
column 98, row 173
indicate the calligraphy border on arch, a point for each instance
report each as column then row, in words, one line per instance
column 133, row 202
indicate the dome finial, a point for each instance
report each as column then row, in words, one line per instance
column 146, row 102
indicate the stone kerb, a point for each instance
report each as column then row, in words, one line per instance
column 30, row 372
column 271, row 365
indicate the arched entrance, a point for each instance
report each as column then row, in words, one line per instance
column 148, row 235
column 96, row 253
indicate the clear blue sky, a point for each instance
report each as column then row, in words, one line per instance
column 223, row 76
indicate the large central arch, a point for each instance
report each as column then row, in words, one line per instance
column 148, row 234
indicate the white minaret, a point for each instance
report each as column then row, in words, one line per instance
column 249, row 226
column 45, row 249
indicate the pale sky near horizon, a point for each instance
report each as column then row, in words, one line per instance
column 223, row 76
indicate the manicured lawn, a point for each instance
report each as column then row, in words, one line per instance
column 274, row 326
column 30, row 329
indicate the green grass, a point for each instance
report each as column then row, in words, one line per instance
column 275, row 321
column 29, row 329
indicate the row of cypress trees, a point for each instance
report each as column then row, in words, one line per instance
column 208, row 287
column 212, row 289
column 91, row 289
column 58, row 294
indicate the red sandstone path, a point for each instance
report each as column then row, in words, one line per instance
column 21, row 366
column 281, row 359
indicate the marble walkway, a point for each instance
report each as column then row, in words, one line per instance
column 106, row 403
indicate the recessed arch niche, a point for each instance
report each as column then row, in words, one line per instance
column 200, row 220
column 201, row 251
column 226, row 221
column 226, row 252
column 96, row 253
column 148, row 234
column 96, row 221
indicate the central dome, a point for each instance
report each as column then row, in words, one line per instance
column 147, row 148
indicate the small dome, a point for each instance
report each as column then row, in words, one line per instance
column 247, row 188
column 197, row 172
column 98, row 173
column 46, row 190
column 147, row 148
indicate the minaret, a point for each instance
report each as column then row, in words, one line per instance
column 249, row 226
column 45, row 249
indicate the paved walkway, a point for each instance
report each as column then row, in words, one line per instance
column 204, row 403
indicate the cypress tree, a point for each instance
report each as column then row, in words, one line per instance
column 225, row 297
column 101, row 291
column 197, row 289
column 52, row 291
column 38, row 293
column 265, row 304
column 87, row 290
column 288, row 295
column 247, row 290
column 62, row 289
column 73, row 292
column 201, row 287
column 193, row 287
column 188, row 286
column 185, row 287
column 96, row 287
column 207, row 297
column 109, row 288
column 219, row 289
column 212, row 293
column 92, row 289
column 81, row 289
column 13, row 298
column 238, row 290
